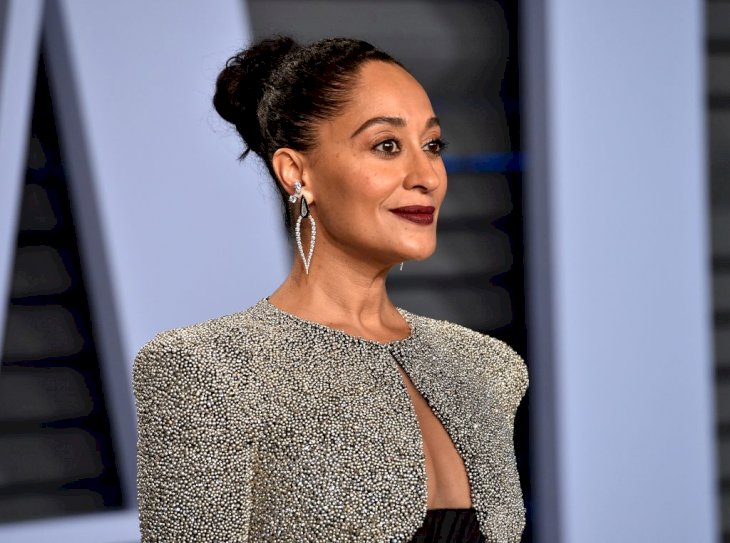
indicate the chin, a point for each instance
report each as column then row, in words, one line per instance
column 419, row 253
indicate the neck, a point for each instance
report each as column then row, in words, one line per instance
column 341, row 291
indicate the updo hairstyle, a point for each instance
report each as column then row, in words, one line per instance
column 276, row 91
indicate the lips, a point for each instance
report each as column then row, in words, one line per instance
column 416, row 214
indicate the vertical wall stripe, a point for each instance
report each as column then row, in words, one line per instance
column 617, row 183
column 19, row 42
column 540, row 264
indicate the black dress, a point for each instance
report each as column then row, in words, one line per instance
column 449, row 526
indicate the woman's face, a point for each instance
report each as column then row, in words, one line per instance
column 380, row 154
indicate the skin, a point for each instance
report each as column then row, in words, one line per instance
column 351, row 183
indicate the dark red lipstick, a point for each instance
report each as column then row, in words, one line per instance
column 416, row 214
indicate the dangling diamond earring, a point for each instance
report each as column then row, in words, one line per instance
column 303, row 213
column 401, row 266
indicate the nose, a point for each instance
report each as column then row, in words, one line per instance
column 424, row 171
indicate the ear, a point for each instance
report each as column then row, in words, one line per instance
column 289, row 166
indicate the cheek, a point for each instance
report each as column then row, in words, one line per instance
column 362, row 198
column 354, row 204
column 354, row 191
column 366, row 186
column 339, row 194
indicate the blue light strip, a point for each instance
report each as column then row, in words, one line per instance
column 490, row 162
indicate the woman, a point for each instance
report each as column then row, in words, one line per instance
column 323, row 412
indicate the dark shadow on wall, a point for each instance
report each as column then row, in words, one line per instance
column 56, row 451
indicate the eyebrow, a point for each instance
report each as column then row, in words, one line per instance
column 395, row 121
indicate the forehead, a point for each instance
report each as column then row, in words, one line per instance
column 386, row 89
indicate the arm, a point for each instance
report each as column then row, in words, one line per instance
column 194, row 461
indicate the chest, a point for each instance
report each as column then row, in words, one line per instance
column 345, row 437
column 337, row 404
column 447, row 480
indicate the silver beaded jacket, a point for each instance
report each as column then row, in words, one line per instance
column 263, row 426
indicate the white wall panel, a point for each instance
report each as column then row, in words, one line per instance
column 616, row 194
column 190, row 232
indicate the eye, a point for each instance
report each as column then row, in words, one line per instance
column 435, row 146
column 388, row 147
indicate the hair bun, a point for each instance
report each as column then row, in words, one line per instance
column 241, row 85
